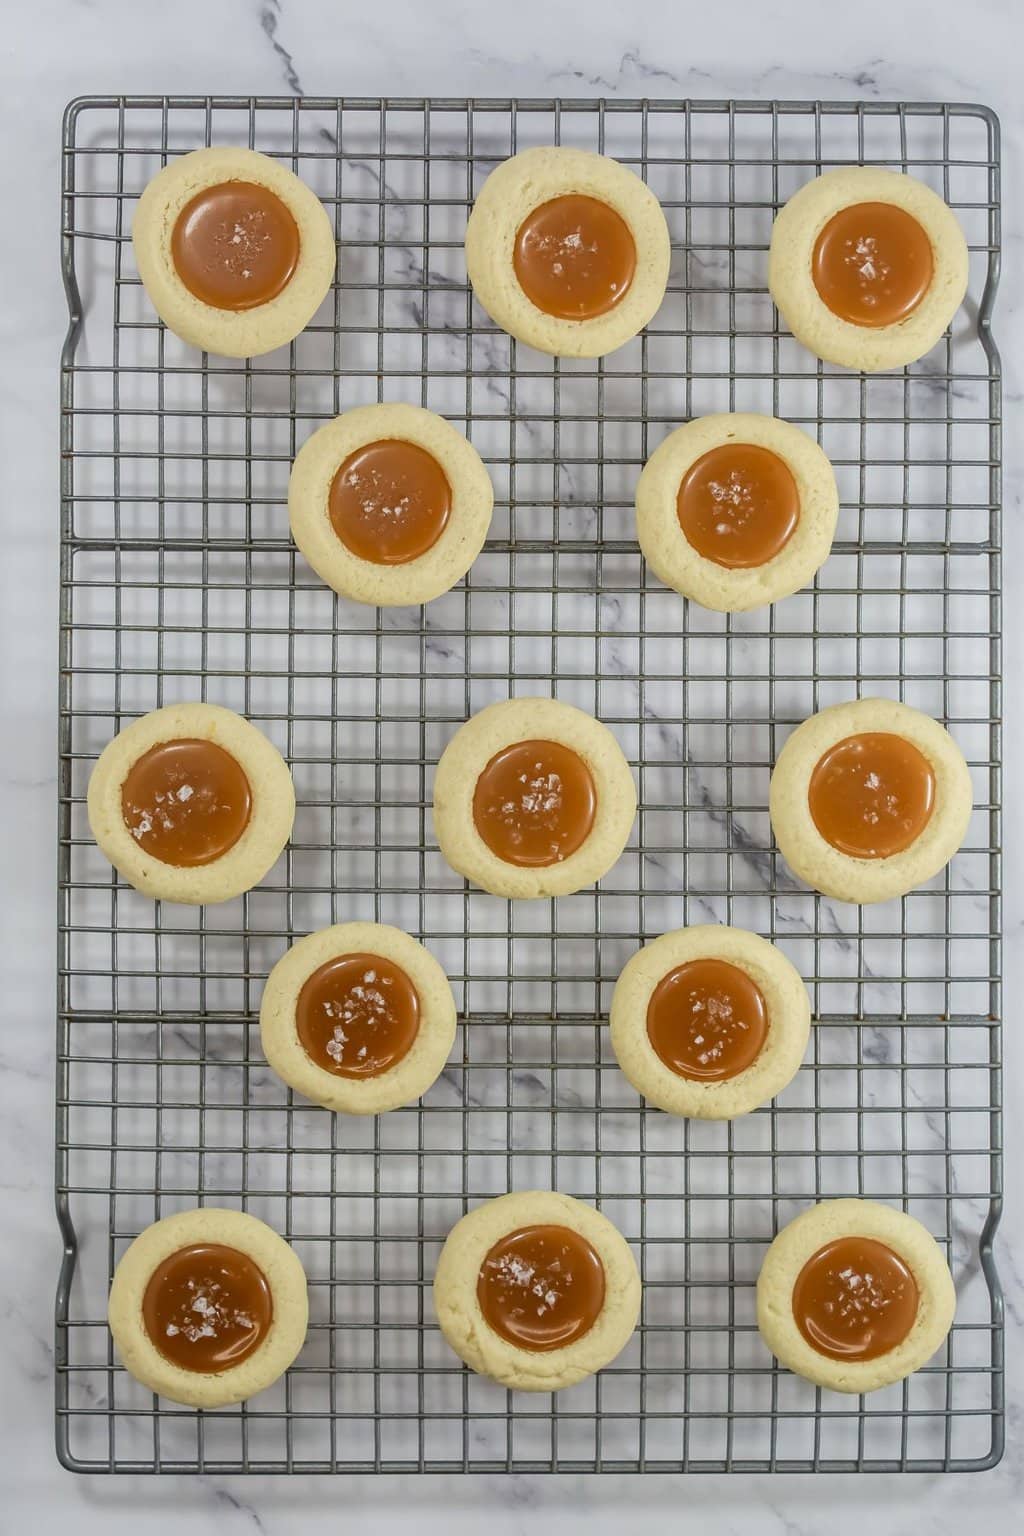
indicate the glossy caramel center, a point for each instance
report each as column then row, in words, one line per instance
column 574, row 257
column 872, row 795
column 738, row 505
column 357, row 1015
column 186, row 802
column 207, row 1307
column 535, row 803
column 707, row 1020
column 855, row 1299
column 390, row 502
column 235, row 245
column 872, row 264
column 541, row 1287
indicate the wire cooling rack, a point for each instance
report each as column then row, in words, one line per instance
column 179, row 581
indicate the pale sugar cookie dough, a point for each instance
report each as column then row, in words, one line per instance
column 496, row 1318
column 584, row 234
column 533, row 798
column 709, row 1021
column 414, row 525
column 736, row 510
column 252, row 1319
column 854, row 1295
column 358, row 1017
column 912, row 274
column 205, row 789
column 900, row 820
column 198, row 264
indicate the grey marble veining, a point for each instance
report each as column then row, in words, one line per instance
column 57, row 48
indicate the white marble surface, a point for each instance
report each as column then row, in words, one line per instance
column 54, row 49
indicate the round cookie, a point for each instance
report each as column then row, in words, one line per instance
column 247, row 859
column 787, row 1016
column 826, row 867
column 511, row 194
column 411, row 1073
column 794, row 240
column 477, row 1342
column 281, row 1272
column 914, row 1248
column 232, row 332
column 472, row 750
column 732, row 588
column 409, row 581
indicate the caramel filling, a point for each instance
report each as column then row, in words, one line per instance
column 575, row 257
column 855, row 1299
column 390, row 502
column 707, row 1020
column 186, row 802
column 872, row 795
column 535, row 803
column 357, row 1016
column 738, row 505
column 872, row 264
column 235, row 245
column 207, row 1307
column 541, row 1287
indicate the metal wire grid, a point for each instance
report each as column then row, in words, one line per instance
column 178, row 581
